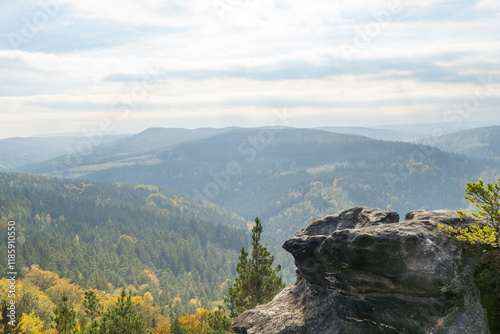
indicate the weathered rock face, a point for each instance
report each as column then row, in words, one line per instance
column 363, row 271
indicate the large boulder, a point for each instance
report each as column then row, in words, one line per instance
column 363, row 271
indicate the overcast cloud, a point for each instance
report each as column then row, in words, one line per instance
column 66, row 65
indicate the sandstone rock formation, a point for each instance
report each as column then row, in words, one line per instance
column 363, row 271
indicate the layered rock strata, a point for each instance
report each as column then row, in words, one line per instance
column 363, row 271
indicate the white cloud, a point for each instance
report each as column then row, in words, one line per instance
column 491, row 5
column 260, row 54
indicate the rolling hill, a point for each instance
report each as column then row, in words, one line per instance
column 482, row 142
column 107, row 236
column 120, row 152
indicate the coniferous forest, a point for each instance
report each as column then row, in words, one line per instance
column 74, row 235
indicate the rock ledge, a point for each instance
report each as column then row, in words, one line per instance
column 363, row 271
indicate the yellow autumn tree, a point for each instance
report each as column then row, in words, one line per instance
column 196, row 323
column 163, row 328
column 31, row 324
column 72, row 292
column 41, row 278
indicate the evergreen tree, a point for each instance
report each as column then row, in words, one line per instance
column 64, row 317
column 219, row 322
column 93, row 308
column 122, row 319
column 177, row 327
column 487, row 200
column 257, row 282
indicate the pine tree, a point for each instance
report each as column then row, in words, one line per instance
column 93, row 308
column 487, row 200
column 122, row 319
column 177, row 327
column 257, row 282
column 64, row 317
column 219, row 322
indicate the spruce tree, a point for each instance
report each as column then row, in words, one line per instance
column 257, row 282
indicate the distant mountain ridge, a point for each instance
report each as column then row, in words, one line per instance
column 156, row 138
column 126, row 147
column 382, row 134
column 20, row 151
column 410, row 132
column 482, row 142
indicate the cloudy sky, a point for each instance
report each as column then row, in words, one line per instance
column 126, row 65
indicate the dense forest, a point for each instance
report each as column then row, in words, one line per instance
column 179, row 251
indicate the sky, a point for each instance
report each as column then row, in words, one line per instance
column 121, row 66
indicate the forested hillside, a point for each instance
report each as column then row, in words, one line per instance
column 482, row 142
column 98, row 150
column 288, row 176
column 113, row 236
column 16, row 152
column 269, row 171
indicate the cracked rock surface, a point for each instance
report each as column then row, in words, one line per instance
column 363, row 271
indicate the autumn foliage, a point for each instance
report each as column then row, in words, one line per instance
column 45, row 301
